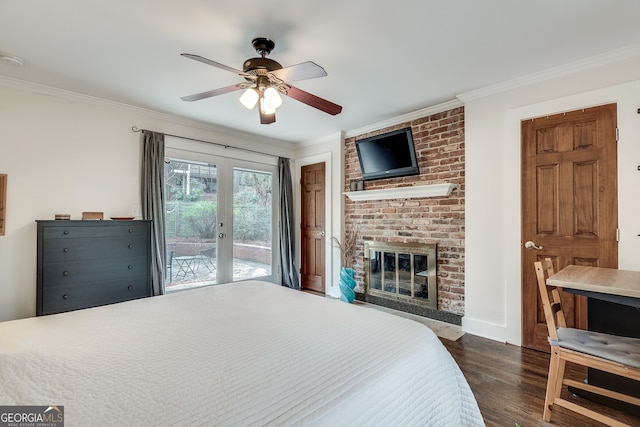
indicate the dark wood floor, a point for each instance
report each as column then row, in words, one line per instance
column 509, row 384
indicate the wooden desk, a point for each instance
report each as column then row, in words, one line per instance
column 607, row 284
column 613, row 308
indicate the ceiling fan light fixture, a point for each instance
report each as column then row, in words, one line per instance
column 250, row 98
column 265, row 108
column 271, row 99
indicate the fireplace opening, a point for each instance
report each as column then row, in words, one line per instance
column 401, row 271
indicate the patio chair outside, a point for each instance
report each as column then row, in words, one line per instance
column 207, row 258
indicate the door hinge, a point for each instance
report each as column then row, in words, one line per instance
column 617, row 134
column 617, row 234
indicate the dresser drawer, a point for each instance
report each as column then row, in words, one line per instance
column 63, row 250
column 73, row 297
column 65, row 273
column 72, row 231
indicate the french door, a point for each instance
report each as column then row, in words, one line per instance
column 219, row 221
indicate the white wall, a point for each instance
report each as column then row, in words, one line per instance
column 65, row 153
column 493, row 215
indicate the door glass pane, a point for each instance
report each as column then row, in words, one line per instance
column 404, row 274
column 190, row 224
column 421, row 276
column 252, row 224
column 389, row 269
column 375, row 269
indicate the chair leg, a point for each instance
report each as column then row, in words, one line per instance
column 551, row 384
column 559, row 377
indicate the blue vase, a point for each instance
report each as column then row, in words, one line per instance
column 347, row 284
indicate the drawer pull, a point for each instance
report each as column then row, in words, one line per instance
column 131, row 267
column 129, row 287
column 130, row 246
column 65, row 232
column 65, row 296
column 65, row 273
column 65, row 250
column 131, row 230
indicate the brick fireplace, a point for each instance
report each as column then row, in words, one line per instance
column 429, row 220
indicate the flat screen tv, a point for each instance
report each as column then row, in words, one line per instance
column 388, row 155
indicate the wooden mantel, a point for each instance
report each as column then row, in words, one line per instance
column 416, row 191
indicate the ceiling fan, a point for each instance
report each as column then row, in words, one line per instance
column 266, row 80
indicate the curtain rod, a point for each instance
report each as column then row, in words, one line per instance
column 136, row 129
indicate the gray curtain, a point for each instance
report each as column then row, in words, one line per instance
column 153, row 203
column 287, row 234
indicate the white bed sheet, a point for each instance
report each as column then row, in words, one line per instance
column 250, row 353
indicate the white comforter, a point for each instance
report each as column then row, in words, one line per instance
column 247, row 353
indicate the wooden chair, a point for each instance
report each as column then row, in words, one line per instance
column 604, row 352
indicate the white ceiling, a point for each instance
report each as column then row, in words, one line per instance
column 383, row 58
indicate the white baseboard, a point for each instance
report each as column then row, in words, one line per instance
column 482, row 329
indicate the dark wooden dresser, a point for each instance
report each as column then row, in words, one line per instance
column 85, row 264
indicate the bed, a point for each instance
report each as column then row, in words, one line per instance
column 249, row 353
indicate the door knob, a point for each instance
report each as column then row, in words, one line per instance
column 531, row 245
column 221, row 235
column 320, row 234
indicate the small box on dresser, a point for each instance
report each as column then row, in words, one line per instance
column 83, row 264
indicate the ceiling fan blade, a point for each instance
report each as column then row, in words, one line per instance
column 266, row 119
column 210, row 93
column 304, row 71
column 213, row 63
column 313, row 101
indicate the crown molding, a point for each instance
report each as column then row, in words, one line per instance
column 179, row 120
column 336, row 136
column 562, row 70
column 415, row 115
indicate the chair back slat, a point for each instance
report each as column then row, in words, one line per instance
column 550, row 297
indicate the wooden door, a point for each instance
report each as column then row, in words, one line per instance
column 569, row 205
column 312, row 251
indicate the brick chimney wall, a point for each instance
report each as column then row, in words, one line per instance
column 439, row 145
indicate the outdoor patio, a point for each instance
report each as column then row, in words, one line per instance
column 187, row 272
